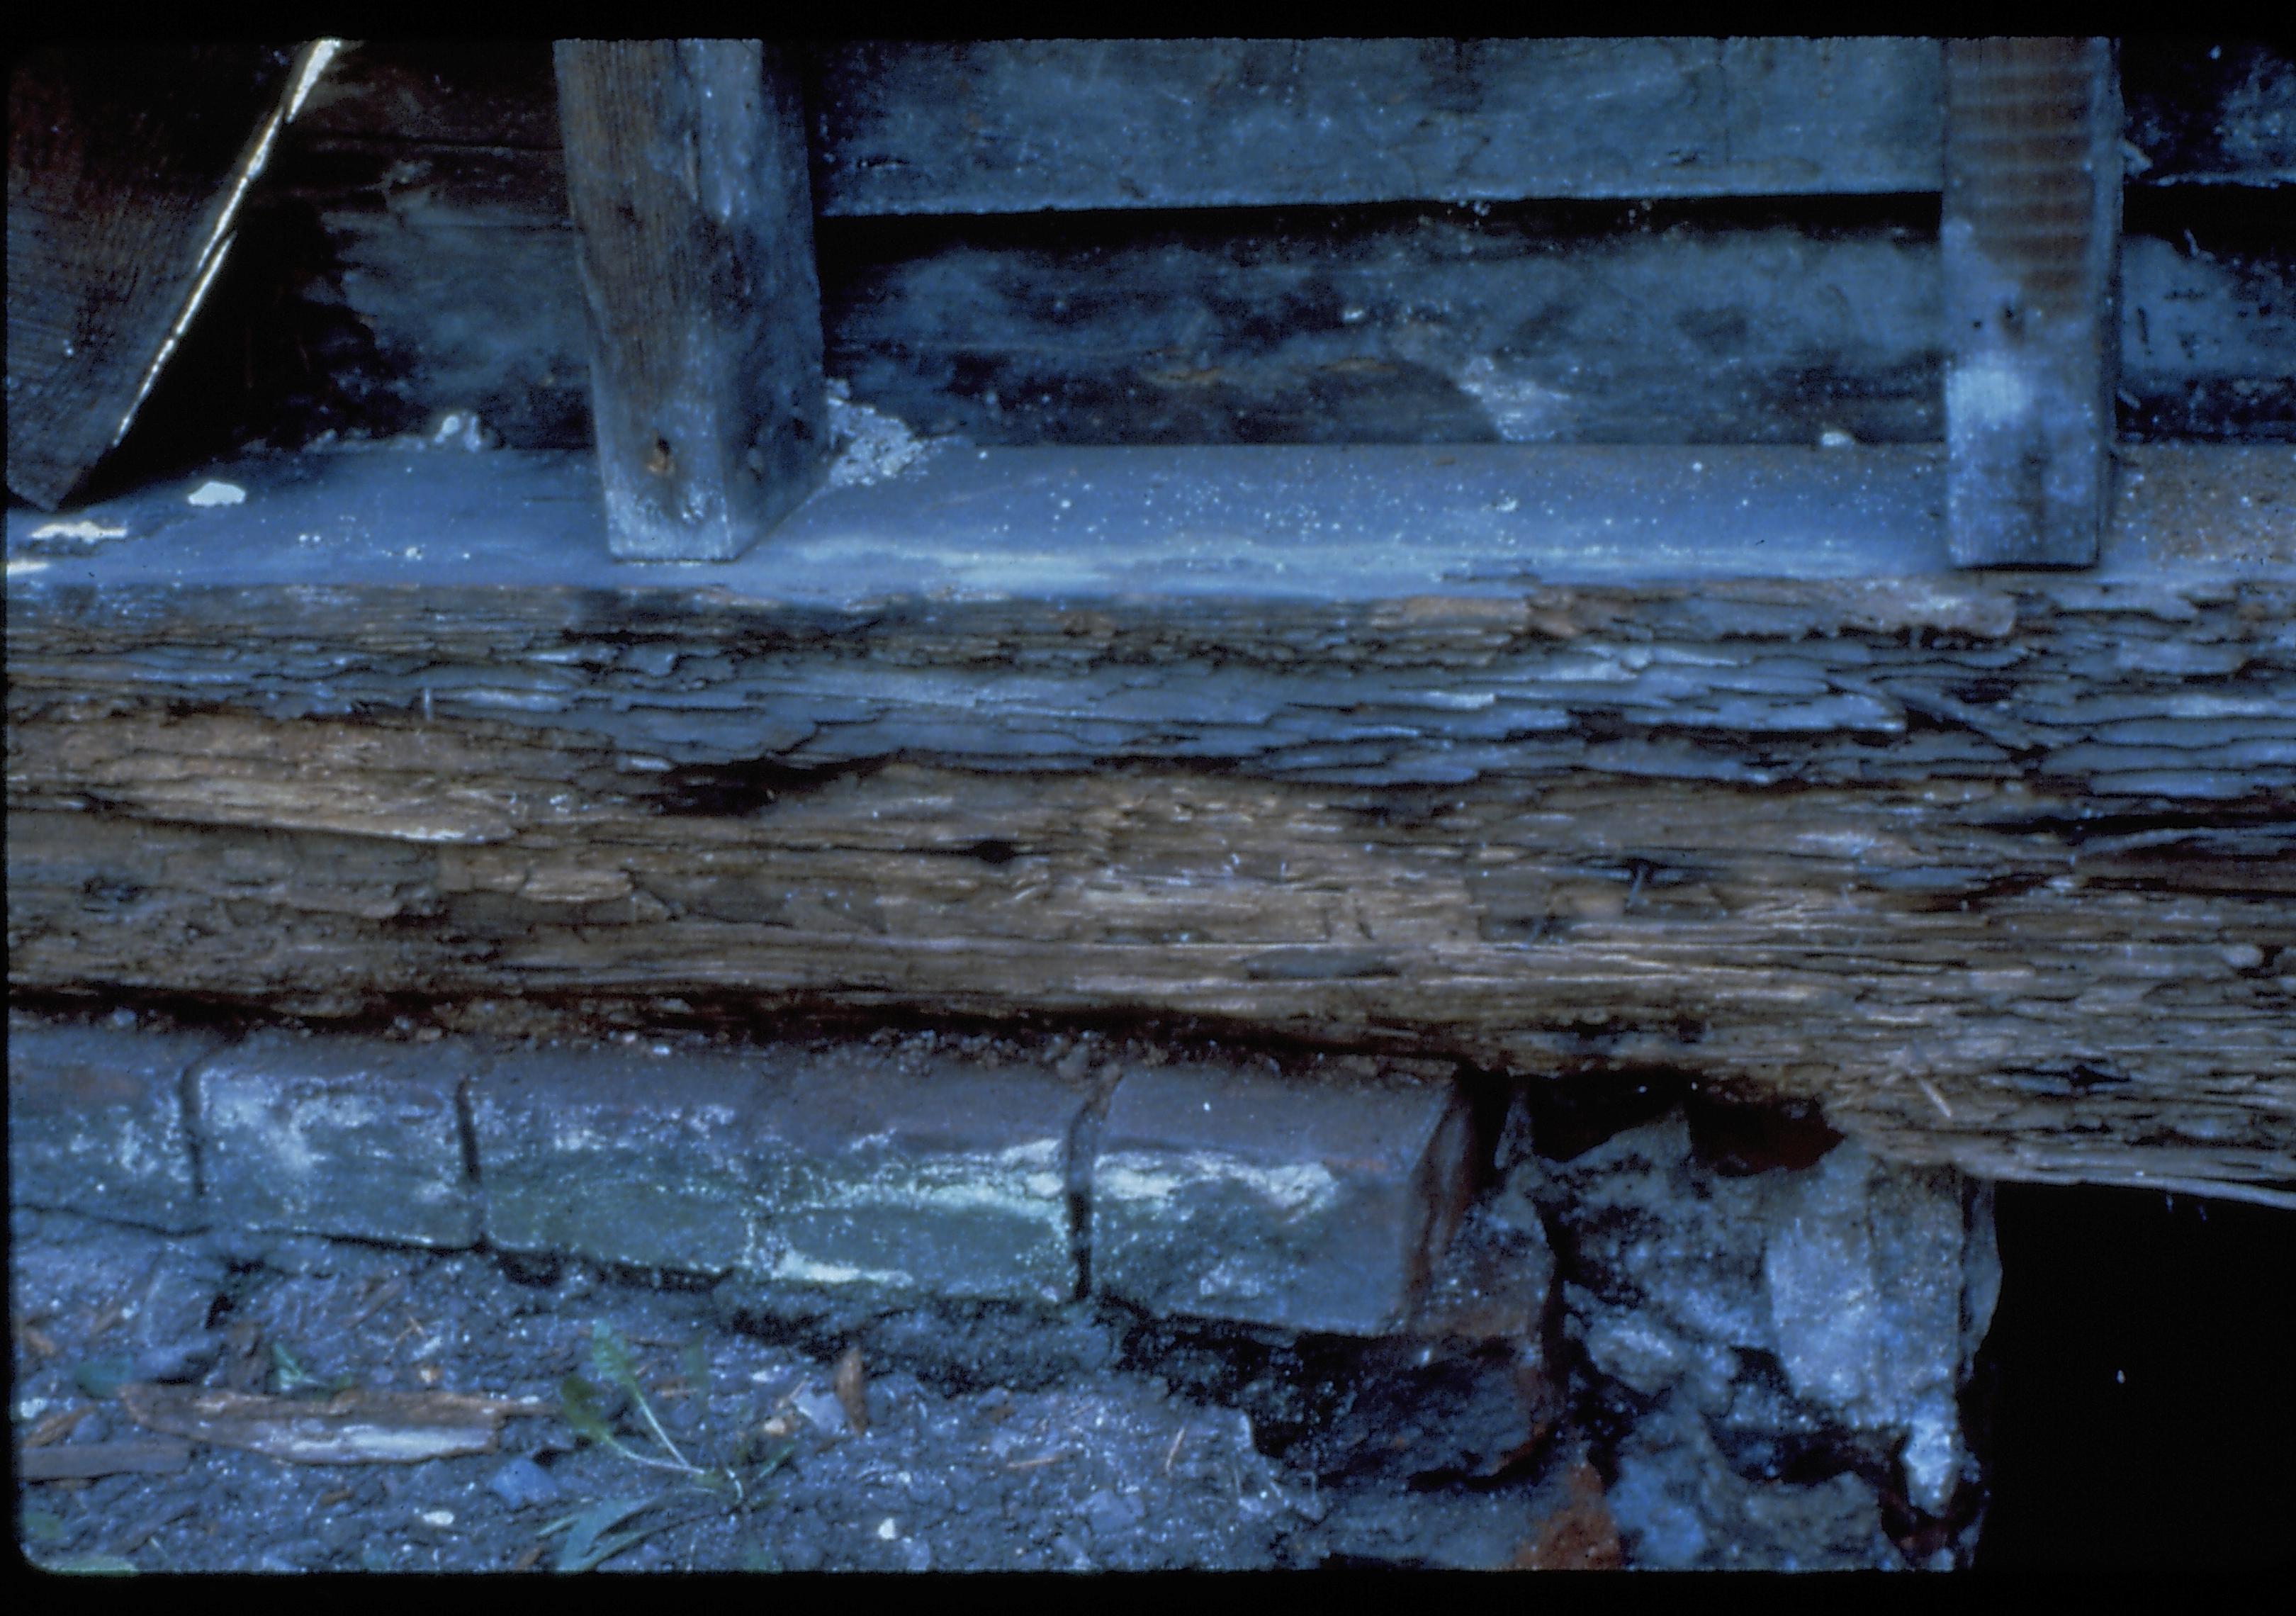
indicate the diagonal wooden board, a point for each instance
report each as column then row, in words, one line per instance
column 127, row 167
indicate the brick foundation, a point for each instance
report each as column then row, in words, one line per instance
column 1307, row 1205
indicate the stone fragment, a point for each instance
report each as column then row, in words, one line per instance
column 1880, row 1282
column 1464, row 1390
column 1489, row 1284
column 1309, row 1203
column 1680, row 1506
column 1834, row 1308
column 95, row 1123
column 522, row 1484
column 620, row 1157
column 338, row 1136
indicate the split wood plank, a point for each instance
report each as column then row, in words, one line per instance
column 686, row 172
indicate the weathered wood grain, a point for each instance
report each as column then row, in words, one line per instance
column 686, row 177
column 1017, row 125
column 126, row 165
column 434, row 182
column 1996, row 870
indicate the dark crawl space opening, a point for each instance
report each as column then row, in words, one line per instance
column 2144, row 1383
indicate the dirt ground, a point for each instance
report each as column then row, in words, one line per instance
column 995, row 1438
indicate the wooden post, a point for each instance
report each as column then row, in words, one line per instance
column 685, row 169
column 2030, row 240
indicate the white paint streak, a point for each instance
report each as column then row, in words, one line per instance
column 803, row 1269
column 1156, row 1175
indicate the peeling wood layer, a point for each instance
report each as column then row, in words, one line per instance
column 1998, row 870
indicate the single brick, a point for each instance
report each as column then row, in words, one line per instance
column 95, row 1122
column 860, row 1170
column 338, row 1136
column 1311, row 1204
column 621, row 1156
column 930, row 1177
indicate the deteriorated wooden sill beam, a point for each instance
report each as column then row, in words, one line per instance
column 1370, row 747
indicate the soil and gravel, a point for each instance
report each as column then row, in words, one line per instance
column 995, row 1438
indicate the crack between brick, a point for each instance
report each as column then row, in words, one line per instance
column 1083, row 1146
column 187, row 1094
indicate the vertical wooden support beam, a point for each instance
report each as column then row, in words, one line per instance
column 685, row 169
column 2030, row 240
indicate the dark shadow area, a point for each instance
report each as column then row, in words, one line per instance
column 2146, row 1383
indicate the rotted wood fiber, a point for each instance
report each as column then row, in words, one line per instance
column 1997, row 871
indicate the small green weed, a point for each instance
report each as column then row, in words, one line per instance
column 590, row 1540
column 289, row 1378
column 591, row 1537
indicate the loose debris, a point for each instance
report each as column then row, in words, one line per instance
column 1579, row 1537
column 851, row 1384
column 353, row 1426
column 870, row 445
column 87, row 1460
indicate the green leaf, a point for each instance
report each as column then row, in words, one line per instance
column 91, row 1565
column 102, row 1377
column 588, row 1545
column 287, row 1375
column 772, row 1457
column 578, row 1401
column 43, row 1525
column 609, row 1356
